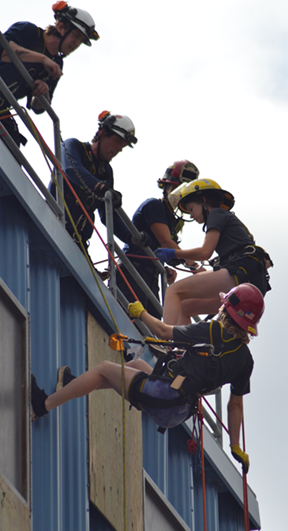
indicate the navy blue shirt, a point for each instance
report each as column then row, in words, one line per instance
column 233, row 233
column 31, row 37
column 91, row 170
column 234, row 366
column 149, row 212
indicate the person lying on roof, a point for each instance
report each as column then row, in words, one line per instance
column 170, row 395
column 42, row 53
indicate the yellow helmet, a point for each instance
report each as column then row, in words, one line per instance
column 199, row 186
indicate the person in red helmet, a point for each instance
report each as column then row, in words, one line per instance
column 156, row 218
column 42, row 53
column 216, row 354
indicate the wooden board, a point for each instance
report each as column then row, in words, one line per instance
column 14, row 512
column 106, row 444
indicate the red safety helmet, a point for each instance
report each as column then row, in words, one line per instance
column 245, row 304
column 181, row 171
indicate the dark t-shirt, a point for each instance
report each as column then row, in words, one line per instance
column 31, row 37
column 149, row 212
column 233, row 234
column 234, row 365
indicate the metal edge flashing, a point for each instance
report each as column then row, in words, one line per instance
column 225, row 469
column 151, row 489
column 39, row 211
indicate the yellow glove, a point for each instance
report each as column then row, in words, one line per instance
column 240, row 456
column 135, row 309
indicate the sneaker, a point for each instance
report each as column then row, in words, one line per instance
column 38, row 397
column 64, row 377
column 158, row 350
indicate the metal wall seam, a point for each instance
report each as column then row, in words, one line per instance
column 13, row 242
column 74, row 415
column 45, row 344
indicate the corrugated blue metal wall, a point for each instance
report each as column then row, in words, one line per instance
column 58, row 336
column 57, row 307
column 60, row 459
column 179, row 477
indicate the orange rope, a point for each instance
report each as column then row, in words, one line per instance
column 203, row 468
column 245, row 488
column 85, row 211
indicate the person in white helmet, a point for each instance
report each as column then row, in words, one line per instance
column 87, row 166
column 42, row 53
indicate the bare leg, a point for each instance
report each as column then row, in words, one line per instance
column 107, row 373
column 140, row 365
column 201, row 286
column 192, row 307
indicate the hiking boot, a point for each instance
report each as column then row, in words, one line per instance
column 64, row 377
column 38, row 397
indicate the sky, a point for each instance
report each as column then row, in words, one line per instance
column 204, row 81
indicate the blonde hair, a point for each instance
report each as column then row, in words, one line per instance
column 231, row 326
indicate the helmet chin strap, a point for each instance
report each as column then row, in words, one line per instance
column 205, row 215
column 63, row 37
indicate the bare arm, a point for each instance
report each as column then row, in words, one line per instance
column 201, row 253
column 235, row 414
column 158, row 328
column 28, row 56
column 163, row 235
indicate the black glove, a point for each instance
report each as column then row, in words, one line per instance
column 101, row 188
column 143, row 241
column 116, row 198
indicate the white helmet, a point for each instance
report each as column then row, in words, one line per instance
column 119, row 124
column 79, row 19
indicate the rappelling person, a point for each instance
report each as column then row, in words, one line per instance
column 217, row 354
column 87, row 166
column 42, row 52
column 157, row 219
column 239, row 259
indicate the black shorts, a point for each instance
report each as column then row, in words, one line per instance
column 247, row 269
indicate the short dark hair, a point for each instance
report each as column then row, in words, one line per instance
column 52, row 30
column 107, row 132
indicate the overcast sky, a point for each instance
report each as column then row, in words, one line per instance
column 206, row 81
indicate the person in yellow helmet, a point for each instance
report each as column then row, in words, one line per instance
column 42, row 52
column 239, row 259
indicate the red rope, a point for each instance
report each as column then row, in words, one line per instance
column 85, row 212
column 218, row 418
column 203, row 467
column 245, row 488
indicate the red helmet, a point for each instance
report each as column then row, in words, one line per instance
column 245, row 304
column 181, row 171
